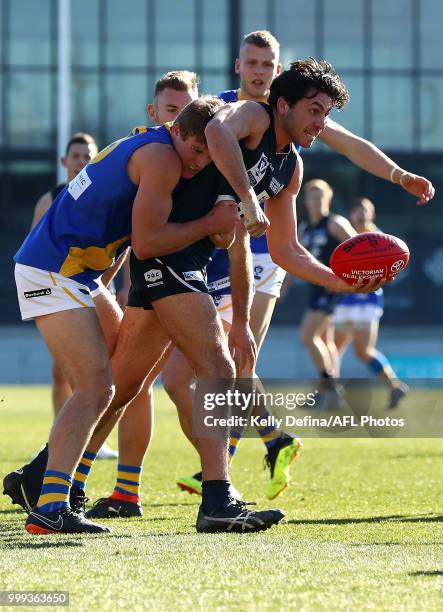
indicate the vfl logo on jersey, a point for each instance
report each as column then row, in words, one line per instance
column 37, row 293
column 257, row 172
column 153, row 277
column 79, row 184
column 193, row 275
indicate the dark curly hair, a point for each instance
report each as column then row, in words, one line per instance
column 305, row 79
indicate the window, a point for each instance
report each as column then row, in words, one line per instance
column 175, row 35
column 30, row 32
column 392, row 112
column 391, row 34
column 126, row 33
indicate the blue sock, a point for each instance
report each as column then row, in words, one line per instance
column 378, row 363
column 83, row 469
column 55, row 491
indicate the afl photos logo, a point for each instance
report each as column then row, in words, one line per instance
column 397, row 266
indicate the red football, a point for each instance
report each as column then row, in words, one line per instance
column 369, row 255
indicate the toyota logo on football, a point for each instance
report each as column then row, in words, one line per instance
column 397, row 266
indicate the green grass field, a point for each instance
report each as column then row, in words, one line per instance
column 363, row 529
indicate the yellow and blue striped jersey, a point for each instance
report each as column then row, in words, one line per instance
column 89, row 223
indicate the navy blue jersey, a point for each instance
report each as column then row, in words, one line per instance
column 269, row 172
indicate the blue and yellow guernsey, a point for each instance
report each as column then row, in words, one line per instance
column 89, row 223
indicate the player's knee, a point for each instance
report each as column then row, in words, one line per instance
column 306, row 338
column 362, row 353
column 174, row 384
column 217, row 366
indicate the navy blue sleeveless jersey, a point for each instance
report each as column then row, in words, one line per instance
column 269, row 172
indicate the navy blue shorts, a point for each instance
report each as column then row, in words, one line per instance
column 152, row 280
column 322, row 300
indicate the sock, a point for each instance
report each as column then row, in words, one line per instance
column 214, row 494
column 35, row 470
column 83, row 469
column 127, row 487
column 233, row 444
column 269, row 434
column 55, row 491
column 378, row 363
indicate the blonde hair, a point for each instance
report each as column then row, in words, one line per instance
column 179, row 80
column 321, row 185
column 261, row 38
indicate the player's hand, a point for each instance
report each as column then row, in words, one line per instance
column 418, row 186
column 362, row 286
column 256, row 222
column 222, row 218
column 223, row 241
column 242, row 347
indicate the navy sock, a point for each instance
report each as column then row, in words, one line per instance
column 215, row 493
column 35, row 471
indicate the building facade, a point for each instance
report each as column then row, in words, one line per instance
column 389, row 54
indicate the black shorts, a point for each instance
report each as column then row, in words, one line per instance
column 322, row 300
column 152, row 280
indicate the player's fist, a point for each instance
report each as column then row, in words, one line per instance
column 256, row 222
column 222, row 218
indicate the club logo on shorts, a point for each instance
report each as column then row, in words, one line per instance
column 397, row 265
column 37, row 293
column 153, row 277
column 193, row 275
column 258, row 271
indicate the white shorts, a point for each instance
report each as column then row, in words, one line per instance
column 357, row 315
column 268, row 277
column 223, row 304
column 41, row 292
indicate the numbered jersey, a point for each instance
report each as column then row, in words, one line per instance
column 89, row 222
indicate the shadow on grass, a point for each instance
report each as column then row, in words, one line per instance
column 172, row 505
column 427, row 518
column 434, row 573
column 19, row 543
column 17, row 511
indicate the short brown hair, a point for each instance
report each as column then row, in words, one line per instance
column 193, row 119
column 305, row 76
column 179, row 80
column 80, row 138
column 321, row 185
column 261, row 38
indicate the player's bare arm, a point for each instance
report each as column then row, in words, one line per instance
column 152, row 234
column 367, row 156
column 240, row 121
column 241, row 341
column 285, row 248
column 43, row 204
